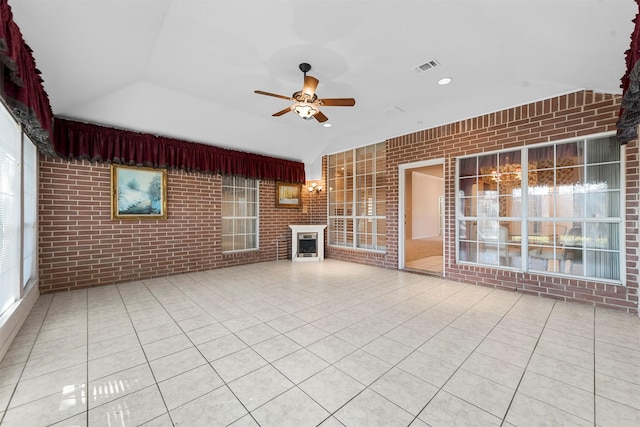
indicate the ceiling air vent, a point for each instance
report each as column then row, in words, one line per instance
column 427, row 66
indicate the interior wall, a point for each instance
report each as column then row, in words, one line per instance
column 572, row 115
column 80, row 246
column 408, row 205
column 426, row 191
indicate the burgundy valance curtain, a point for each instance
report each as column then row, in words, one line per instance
column 629, row 119
column 76, row 140
column 21, row 83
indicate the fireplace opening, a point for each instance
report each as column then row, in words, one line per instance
column 307, row 244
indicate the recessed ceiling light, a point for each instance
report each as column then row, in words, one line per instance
column 327, row 125
column 444, row 81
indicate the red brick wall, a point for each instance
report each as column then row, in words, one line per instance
column 80, row 246
column 568, row 116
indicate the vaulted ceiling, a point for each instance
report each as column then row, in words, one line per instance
column 188, row 68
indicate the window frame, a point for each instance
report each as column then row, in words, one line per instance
column 254, row 218
column 526, row 219
column 23, row 284
column 352, row 220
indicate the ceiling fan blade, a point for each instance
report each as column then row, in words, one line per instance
column 320, row 117
column 310, row 85
column 275, row 95
column 281, row 112
column 337, row 102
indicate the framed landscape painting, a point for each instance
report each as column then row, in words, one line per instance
column 138, row 193
column 288, row 195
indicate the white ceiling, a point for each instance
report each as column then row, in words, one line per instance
column 188, row 68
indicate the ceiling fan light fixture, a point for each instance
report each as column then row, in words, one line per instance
column 305, row 110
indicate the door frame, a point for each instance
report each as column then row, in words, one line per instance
column 402, row 169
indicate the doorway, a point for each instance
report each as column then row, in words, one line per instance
column 421, row 233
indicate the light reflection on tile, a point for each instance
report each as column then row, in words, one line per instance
column 331, row 344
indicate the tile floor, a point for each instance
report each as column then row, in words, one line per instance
column 432, row 264
column 331, row 344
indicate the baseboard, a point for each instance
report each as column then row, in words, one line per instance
column 13, row 319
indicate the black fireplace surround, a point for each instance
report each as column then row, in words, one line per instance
column 307, row 244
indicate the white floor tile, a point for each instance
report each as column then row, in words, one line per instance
column 372, row 410
column 260, row 386
column 291, row 409
column 133, row 409
column 189, row 385
column 446, row 410
column 349, row 344
column 331, row 388
column 405, row 390
column 300, row 365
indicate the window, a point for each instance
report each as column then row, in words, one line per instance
column 29, row 209
column 357, row 198
column 239, row 214
column 18, row 210
column 552, row 208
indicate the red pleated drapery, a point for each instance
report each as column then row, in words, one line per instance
column 22, row 86
column 76, row 140
column 629, row 119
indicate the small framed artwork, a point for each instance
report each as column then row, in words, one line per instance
column 138, row 193
column 288, row 195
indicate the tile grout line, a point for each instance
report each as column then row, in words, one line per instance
column 15, row 388
column 472, row 351
column 412, row 352
column 527, row 365
column 146, row 358
column 225, row 383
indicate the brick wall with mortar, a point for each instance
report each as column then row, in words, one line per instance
column 572, row 115
column 80, row 246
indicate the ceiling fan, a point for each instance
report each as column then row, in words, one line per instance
column 306, row 103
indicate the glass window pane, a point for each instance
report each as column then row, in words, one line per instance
column 602, row 235
column 227, row 243
column 602, row 177
column 468, row 251
column 10, row 210
column 603, row 265
column 468, row 186
column 603, row 150
column 488, row 165
column 227, row 226
column 30, row 209
column 468, row 167
column 239, row 213
column 541, row 158
column 488, row 205
column 570, row 154
column 567, row 186
column 368, row 189
column 227, row 209
column 603, row 204
column 468, row 230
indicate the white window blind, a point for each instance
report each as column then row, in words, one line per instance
column 10, row 146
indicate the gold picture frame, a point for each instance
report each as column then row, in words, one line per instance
column 288, row 195
column 138, row 193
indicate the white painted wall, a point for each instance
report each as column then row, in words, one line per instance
column 425, row 191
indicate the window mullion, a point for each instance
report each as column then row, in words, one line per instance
column 524, row 210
